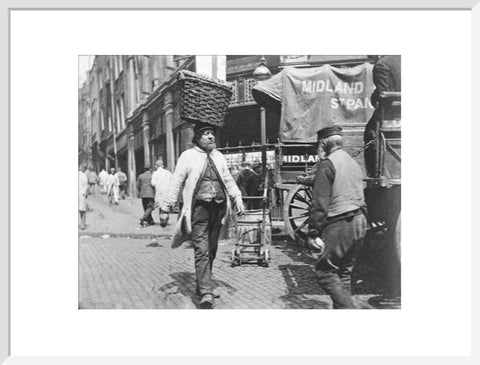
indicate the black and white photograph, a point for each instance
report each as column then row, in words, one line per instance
column 270, row 163
column 239, row 182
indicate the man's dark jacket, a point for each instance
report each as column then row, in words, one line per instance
column 144, row 185
column 387, row 76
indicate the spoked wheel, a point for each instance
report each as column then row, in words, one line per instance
column 296, row 211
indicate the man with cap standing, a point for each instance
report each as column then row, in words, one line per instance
column 337, row 223
column 147, row 194
column 203, row 220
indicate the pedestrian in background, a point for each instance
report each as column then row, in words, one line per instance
column 160, row 182
column 208, row 187
column 234, row 171
column 82, row 196
column 337, row 222
column 92, row 180
column 122, row 181
column 102, row 176
column 147, row 194
column 112, row 187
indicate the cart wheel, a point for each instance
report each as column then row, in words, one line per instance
column 296, row 210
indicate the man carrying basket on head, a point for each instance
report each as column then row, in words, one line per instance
column 204, row 218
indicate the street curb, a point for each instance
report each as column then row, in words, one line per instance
column 124, row 235
column 275, row 237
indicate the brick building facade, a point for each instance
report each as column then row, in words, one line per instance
column 129, row 107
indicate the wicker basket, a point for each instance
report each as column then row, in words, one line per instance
column 203, row 99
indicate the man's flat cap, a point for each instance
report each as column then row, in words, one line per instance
column 199, row 128
column 329, row 131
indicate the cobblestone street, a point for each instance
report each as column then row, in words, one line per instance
column 119, row 267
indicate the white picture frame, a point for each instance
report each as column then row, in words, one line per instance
column 9, row 7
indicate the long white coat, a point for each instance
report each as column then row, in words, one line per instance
column 112, row 186
column 82, row 191
column 103, row 175
column 160, row 182
column 189, row 169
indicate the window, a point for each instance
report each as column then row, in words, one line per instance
column 102, row 121
column 122, row 112
column 234, row 99
column 115, row 67
column 136, row 65
column 100, row 81
column 249, row 84
column 110, row 126
column 120, row 64
column 146, row 84
column 118, row 117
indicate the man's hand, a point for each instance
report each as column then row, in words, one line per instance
column 316, row 244
column 240, row 208
column 163, row 208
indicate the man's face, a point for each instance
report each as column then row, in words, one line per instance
column 207, row 140
column 320, row 151
column 112, row 171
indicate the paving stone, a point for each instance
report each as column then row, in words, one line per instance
column 122, row 272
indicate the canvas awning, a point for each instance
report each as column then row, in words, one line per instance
column 309, row 99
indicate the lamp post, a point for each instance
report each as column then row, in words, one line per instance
column 260, row 74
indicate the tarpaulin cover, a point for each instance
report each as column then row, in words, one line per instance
column 310, row 99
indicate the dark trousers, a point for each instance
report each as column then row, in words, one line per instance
column 148, row 206
column 83, row 218
column 122, row 189
column 92, row 188
column 343, row 240
column 206, row 224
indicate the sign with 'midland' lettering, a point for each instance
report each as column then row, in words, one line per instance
column 314, row 98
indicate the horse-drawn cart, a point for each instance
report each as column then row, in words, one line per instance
column 330, row 96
